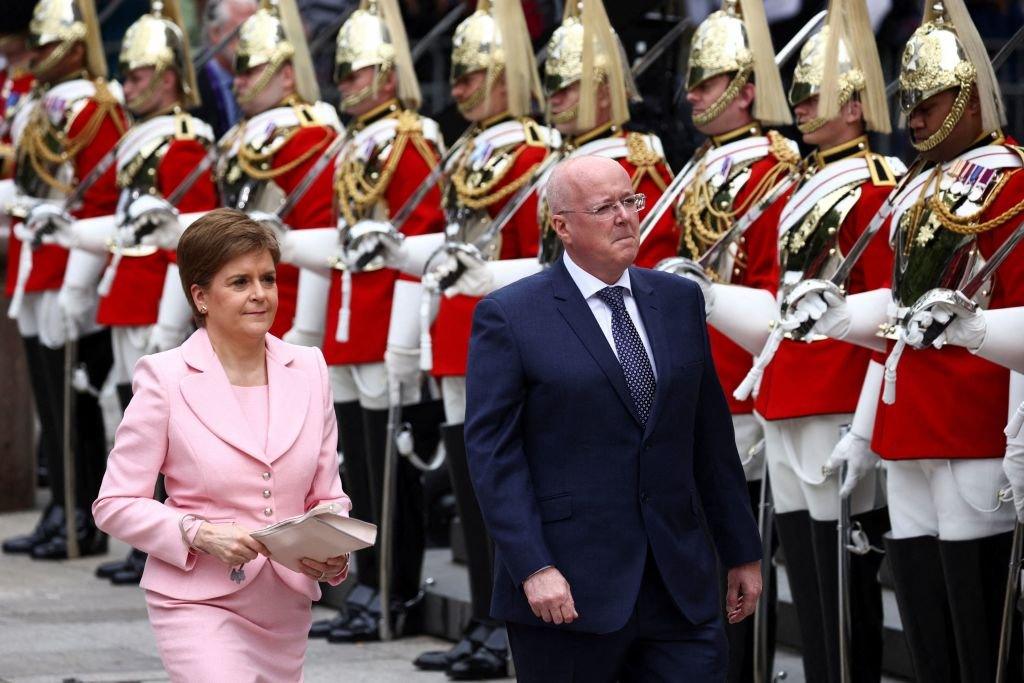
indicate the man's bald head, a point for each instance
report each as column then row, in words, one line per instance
column 600, row 232
column 570, row 178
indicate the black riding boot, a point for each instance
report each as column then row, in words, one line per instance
column 355, row 477
column 865, row 595
column 975, row 573
column 796, row 539
column 924, row 609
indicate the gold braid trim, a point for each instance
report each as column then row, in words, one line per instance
column 249, row 160
column 780, row 148
column 645, row 159
column 967, row 225
column 726, row 98
column 481, row 197
column 38, row 134
column 356, row 194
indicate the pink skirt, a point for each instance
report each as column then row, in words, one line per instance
column 256, row 634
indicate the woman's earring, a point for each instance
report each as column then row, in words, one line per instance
column 203, row 310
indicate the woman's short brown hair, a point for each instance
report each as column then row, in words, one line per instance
column 213, row 240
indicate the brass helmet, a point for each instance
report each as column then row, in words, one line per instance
column 274, row 36
column 946, row 52
column 568, row 52
column 830, row 69
column 495, row 38
column 158, row 40
column 375, row 36
column 67, row 22
column 735, row 40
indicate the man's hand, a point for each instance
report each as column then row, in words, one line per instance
column 550, row 598
column 744, row 589
column 860, row 461
column 829, row 311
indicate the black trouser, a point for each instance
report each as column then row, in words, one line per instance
column 479, row 549
column 356, row 481
column 87, row 431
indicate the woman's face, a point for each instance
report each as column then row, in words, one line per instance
column 241, row 300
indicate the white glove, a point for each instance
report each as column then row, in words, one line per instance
column 270, row 221
column 78, row 304
column 706, row 288
column 152, row 221
column 966, row 328
column 51, row 224
column 476, row 278
column 403, row 366
column 860, row 461
column 174, row 318
column 1013, row 467
column 53, row 325
column 827, row 309
column 386, row 244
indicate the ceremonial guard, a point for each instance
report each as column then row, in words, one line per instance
column 63, row 138
column 162, row 158
column 388, row 154
column 494, row 83
column 590, row 114
column 734, row 88
column 285, row 132
column 16, row 79
column 938, row 414
column 810, row 390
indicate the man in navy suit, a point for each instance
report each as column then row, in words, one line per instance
column 602, row 454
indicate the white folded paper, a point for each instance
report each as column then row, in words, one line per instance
column 319, row 534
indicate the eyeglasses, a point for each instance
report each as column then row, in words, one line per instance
column 634, row 203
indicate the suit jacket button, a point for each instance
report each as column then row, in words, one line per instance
column 266, row 493
column 267, row 512
column 644, row 497
column 266, row 476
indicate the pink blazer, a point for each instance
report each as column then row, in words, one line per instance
column 184, row 422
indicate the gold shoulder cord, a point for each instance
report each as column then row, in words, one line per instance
column 41, row 129
column 481, row 197
column 968, row 225
column 258, row 165
column 644, row 159
column 698, row 234
column 356, row 192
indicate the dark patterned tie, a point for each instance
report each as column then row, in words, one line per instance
column 632, row 355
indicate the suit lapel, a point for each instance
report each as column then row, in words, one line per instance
column 209, row 395
column 576, row 311
column 647, row 304
column 289, row 399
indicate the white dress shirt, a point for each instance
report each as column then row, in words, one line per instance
column 589, row 286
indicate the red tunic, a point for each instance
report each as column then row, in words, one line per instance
column 134, row 297
column 663, row 241
column 372, row 292
column 315, row 210
column 13, row 87
column 949, row 402
column 825, row 377
column 100, row 199
column 520, row 238
column 759, row 269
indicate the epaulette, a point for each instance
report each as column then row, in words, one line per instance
column 306, row 115
column 638, row 152
column 184, row 126
column 534, row 134
column 781, row 148
column 1016, row 149
column 881, row 172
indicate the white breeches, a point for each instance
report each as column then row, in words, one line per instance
column 41, row 316
column 129, row 344
column 748, row 434
column 797, row 449
column 956, row 500
column 453, row 392
column 368, row 384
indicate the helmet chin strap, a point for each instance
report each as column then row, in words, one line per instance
column 956, row 112
column 263, row 81
column 480, row 94
column 567, row 116
column 58, row 54
column 137, row 104
column 726, row 98
column 363, row 94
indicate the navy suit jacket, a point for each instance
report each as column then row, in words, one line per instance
column 566, row 474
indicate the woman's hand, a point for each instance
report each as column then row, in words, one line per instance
column 229, row 543
column 325, row 571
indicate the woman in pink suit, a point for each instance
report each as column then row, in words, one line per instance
column 242, row 426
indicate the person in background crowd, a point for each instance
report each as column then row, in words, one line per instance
column 216, row 79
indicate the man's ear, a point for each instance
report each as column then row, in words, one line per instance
column 746, row 96
column 974, row 102
column 853, row 111
column 561, row 229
